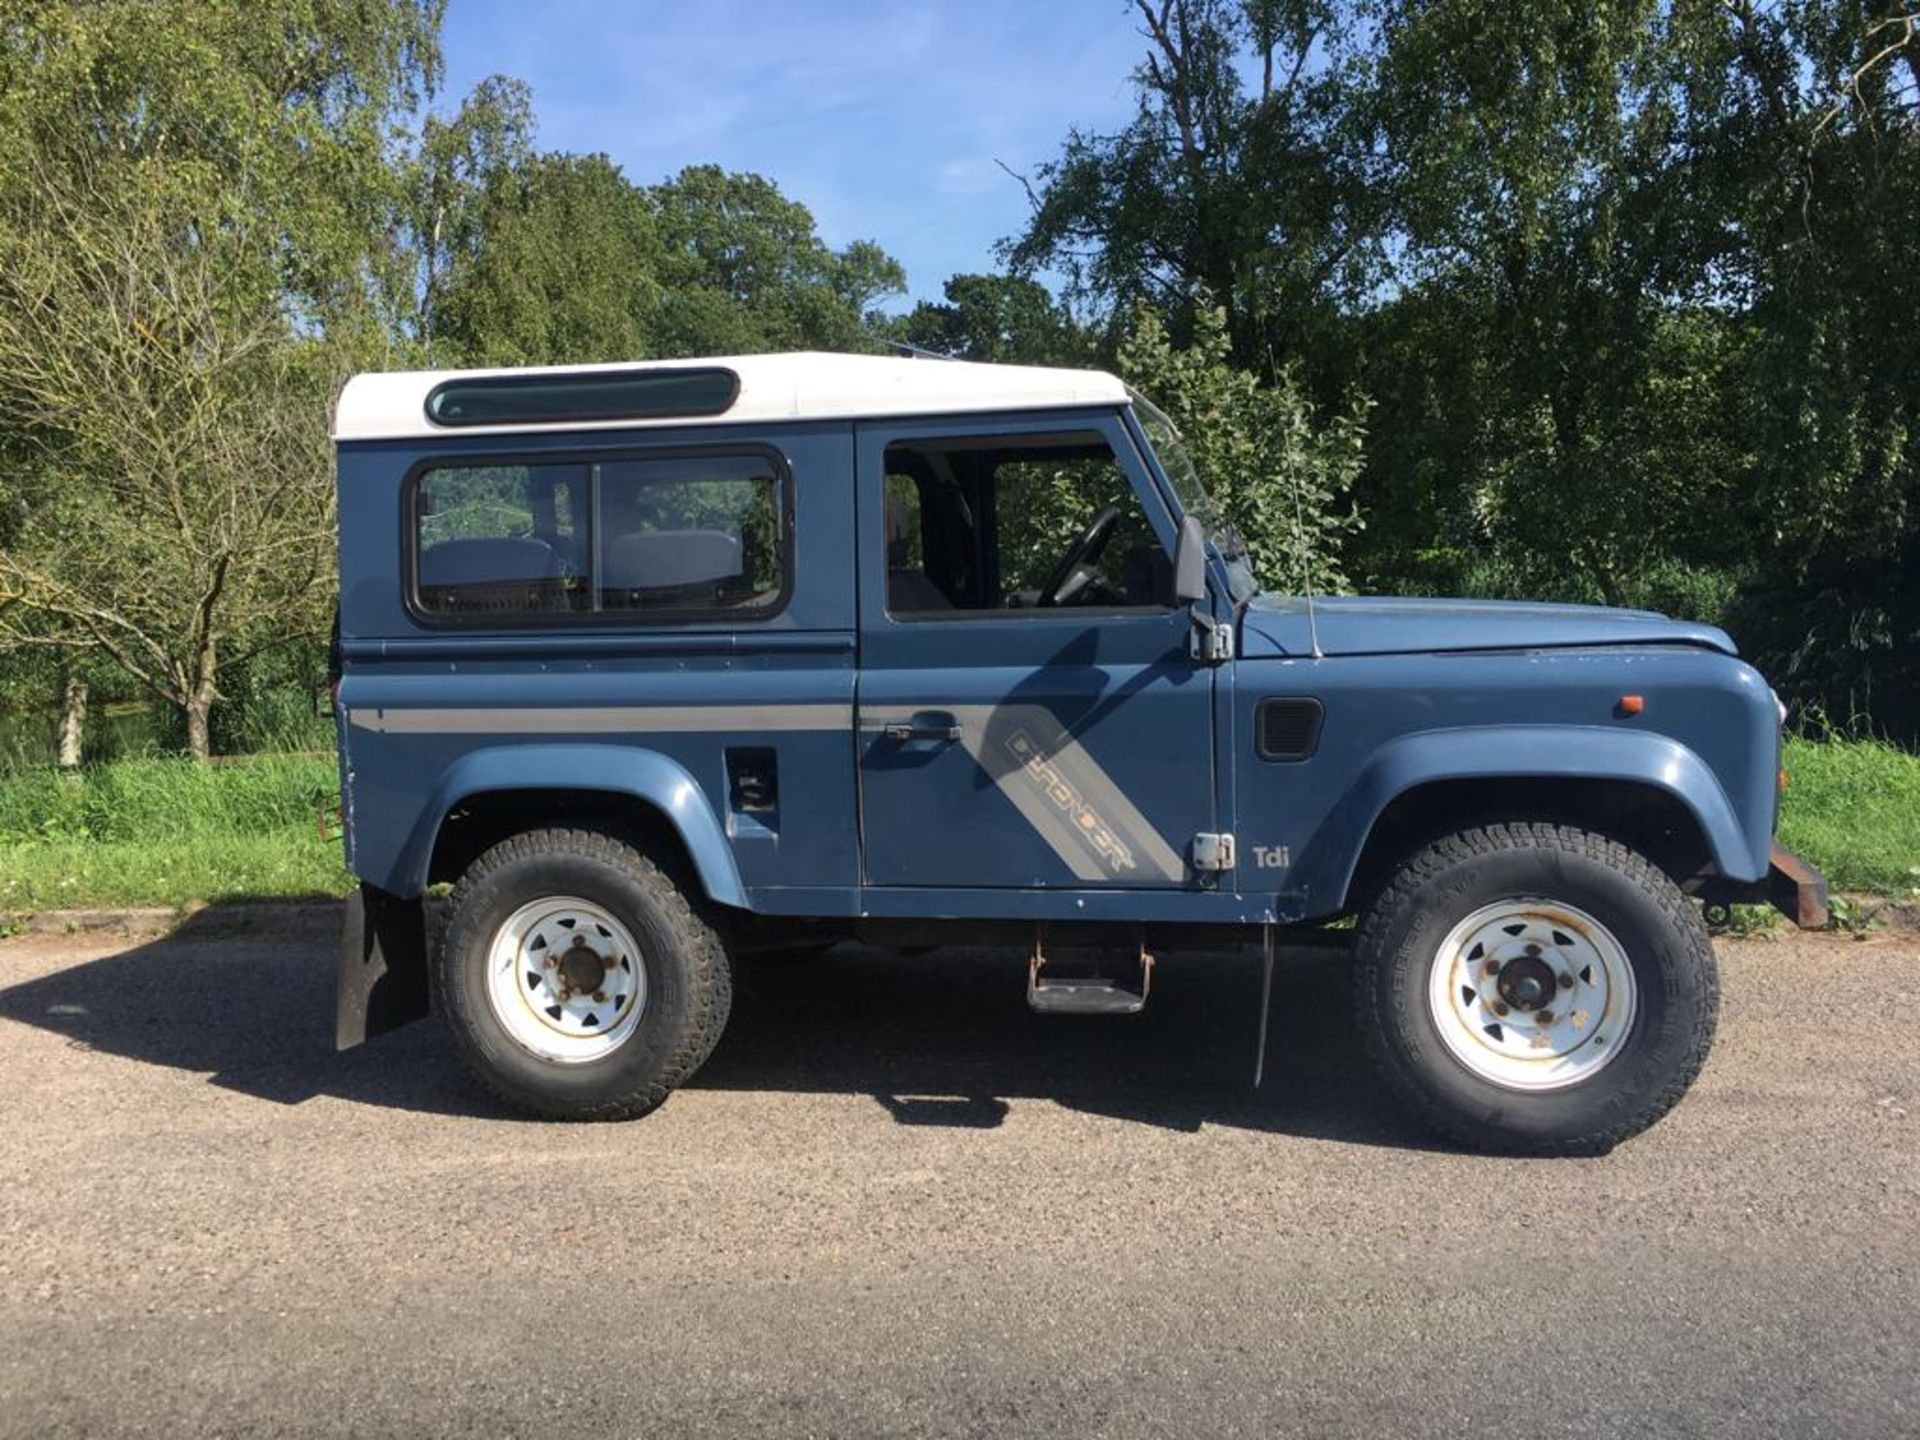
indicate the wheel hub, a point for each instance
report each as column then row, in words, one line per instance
column 583, row 968
column 1526, row 983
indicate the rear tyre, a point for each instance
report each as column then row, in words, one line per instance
column 1535, row 989
column 578, row 981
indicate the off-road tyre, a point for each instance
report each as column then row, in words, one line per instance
column 1666, row 944
column 689, row 977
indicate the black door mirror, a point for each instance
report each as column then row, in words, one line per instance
column 1190, row 563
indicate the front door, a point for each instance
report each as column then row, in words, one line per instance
column 1028, row 712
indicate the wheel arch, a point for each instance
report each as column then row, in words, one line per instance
column 641, row 795
column 1648, row 791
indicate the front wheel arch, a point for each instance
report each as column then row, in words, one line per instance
column 1653, row 822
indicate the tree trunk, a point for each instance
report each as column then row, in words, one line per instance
column 198, row 744
column 73, row 722
column 200, row 698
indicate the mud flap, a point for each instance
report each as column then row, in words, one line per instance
column 383, row 966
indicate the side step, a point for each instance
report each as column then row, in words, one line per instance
column 1086, row 995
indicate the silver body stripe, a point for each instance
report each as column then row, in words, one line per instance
column 598, row 719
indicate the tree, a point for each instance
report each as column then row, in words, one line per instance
column 1631, row 283
column 564, row 269
column 188, row 493
column 1539, row 211
column 524, row 257
column 743, row 269
column 453, row 169
column 190, row 200
column 1248, row 174
column 1008, row 319
column 1281, row 478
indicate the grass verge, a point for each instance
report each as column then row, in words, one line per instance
column 168, row 832
column 1852, row 807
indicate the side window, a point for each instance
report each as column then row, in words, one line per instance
column 500, row 539
column 1016, row 523
column 697, row 533
column 679, row 535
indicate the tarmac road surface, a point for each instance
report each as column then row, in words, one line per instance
column 895, row 1203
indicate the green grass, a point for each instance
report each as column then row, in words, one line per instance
column 1853, row 808
column 168, row 832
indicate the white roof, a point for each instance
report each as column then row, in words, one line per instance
column 802, row 385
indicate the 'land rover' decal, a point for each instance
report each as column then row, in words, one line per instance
column 1062, row 791
column 1099, row 836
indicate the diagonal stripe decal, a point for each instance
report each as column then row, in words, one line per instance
column 1085, row 818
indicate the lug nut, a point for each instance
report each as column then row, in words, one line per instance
column 1545, row 1017
column 1566, row 982
column 1493, row 967
column 1498, row 1008
column 599, row 997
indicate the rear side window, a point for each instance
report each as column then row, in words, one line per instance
column 702, row 532
column 501, row 539
column 672, row 536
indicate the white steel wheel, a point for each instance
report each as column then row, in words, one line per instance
column 1532, row 995
column 565, row 980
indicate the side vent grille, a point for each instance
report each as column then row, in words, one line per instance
column 1287, row 729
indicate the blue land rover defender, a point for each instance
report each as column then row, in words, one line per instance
column 655, row 664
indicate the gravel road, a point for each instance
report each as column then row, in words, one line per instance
column 895, row 1203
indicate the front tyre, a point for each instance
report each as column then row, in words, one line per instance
column 1535, row 989
column 577, row 980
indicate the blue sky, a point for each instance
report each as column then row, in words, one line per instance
column 884, row 119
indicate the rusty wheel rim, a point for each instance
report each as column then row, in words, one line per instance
column 566, row 980
column 1532, row 995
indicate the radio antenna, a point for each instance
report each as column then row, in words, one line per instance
column 1306, row 572
column 1303, row 552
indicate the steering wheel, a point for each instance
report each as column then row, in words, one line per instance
column 1070, row 576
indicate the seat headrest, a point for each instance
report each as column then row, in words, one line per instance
column 488, row 560
column 661, row 559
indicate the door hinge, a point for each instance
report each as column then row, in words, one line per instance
column 1212, row 852
column 1211, row 642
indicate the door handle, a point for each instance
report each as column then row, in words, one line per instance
column 903, row 733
